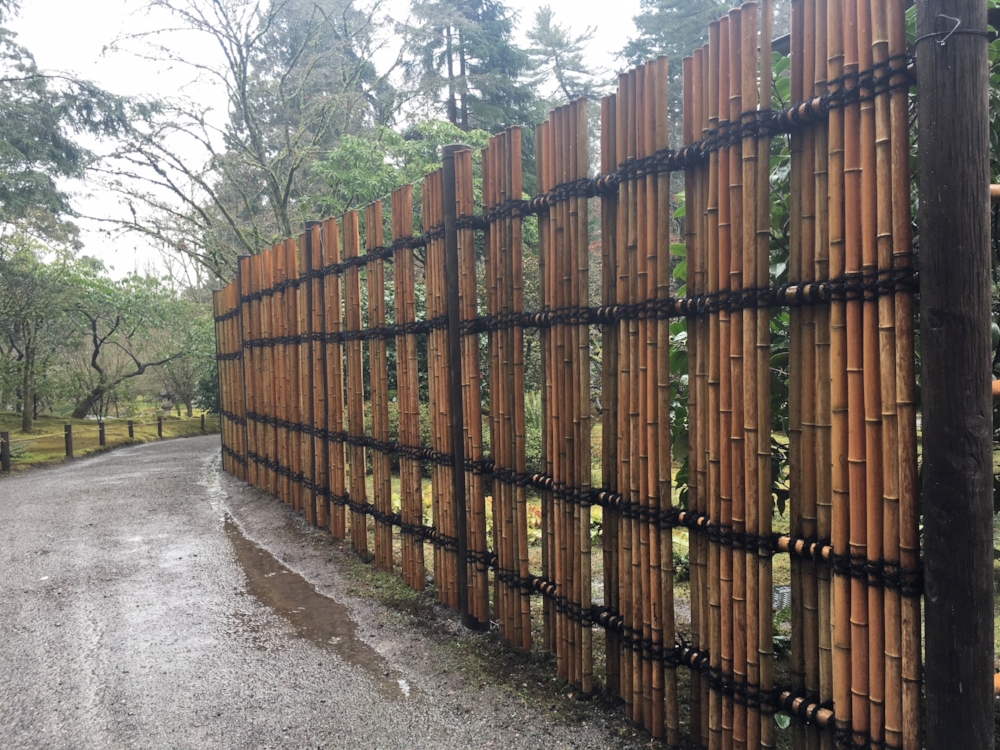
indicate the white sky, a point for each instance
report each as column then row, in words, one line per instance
column 72, row 36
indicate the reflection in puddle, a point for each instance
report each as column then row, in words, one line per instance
column 318, row 618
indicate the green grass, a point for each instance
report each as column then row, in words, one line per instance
column 46, row 445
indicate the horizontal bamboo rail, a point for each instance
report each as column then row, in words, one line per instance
column 454, row 336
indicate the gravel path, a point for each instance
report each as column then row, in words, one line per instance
column 148, row 600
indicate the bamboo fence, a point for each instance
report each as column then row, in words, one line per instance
column 318, row 337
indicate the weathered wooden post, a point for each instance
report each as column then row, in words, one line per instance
column 102, row 437
column 203, row 423
column 131, row 429
column 68, row 430
column 953, row 138
column 455, row 359
column 159, row 426
column 5, row 452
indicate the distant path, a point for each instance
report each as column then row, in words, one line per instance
column 133, row 614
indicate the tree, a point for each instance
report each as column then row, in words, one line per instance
column 182, row 375
column 41, row 115
column 363, row 169
column 33, row 318
column 671, row 27
column 463, row 57
column 126, row 325
column 296, row 76
column 557, row 58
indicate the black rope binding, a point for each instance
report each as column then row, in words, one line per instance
column 227, row 316
column 232, row 417
column 850, row 287
column 234, row 455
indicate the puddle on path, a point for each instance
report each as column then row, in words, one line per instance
column 315, row 617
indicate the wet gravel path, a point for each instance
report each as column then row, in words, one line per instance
column 149, row 601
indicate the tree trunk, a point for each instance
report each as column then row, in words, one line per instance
column 452, row 106
column 83, row 408
column 464, row 83
column 190, row 409
column 28, row 388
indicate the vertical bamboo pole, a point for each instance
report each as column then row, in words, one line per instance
column 714, row 511
column 643, row 220
column 822, row 377
column 796, row 367
column 724, row 515
column 279, row 403
column 471, row 396
column 609, row 386
column 306, row 382
column 296, row 381
column 872, row 381
column 515, row 179
column 333, row 298
column 763, row 672
column 756, row 431
column 379, row 369
column 583, row 476
column 624, row 380
column 892, row 652
column 664, row 476
column 408, row 385
column 807, row 378
column 276, row 357
column 840, row 521
column 705, row 414
column 319, row 385
column 565, row 254
column 853, row 187
column 741, row 276
column 544, row 263
column 250, row 373
column 730, row 348
column 650, row 423
column 497, row 382
column 690, row 240
column 220, row 351
column 909, row 534
column 355, row 387
column 258, row 357
column 631, row 607
column 438, row 375
column 240, row 374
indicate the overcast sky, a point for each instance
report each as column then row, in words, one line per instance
column 72, row 36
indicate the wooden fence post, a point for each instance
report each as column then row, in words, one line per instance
column 159, row 426
column 131, row 429
column 953, row 138
column 5, row 452
column 102, row 437
column 68, row 430
column 203, row 423
column 455, row 358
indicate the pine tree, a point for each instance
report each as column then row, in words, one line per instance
column 671, row 27
column 463, row 56
column 557, row 58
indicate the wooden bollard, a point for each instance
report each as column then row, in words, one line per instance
column 159, row 426
column 68, row 429
column 5, row 452
column 131, row 429
column 102, row 437
column 202, row 422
